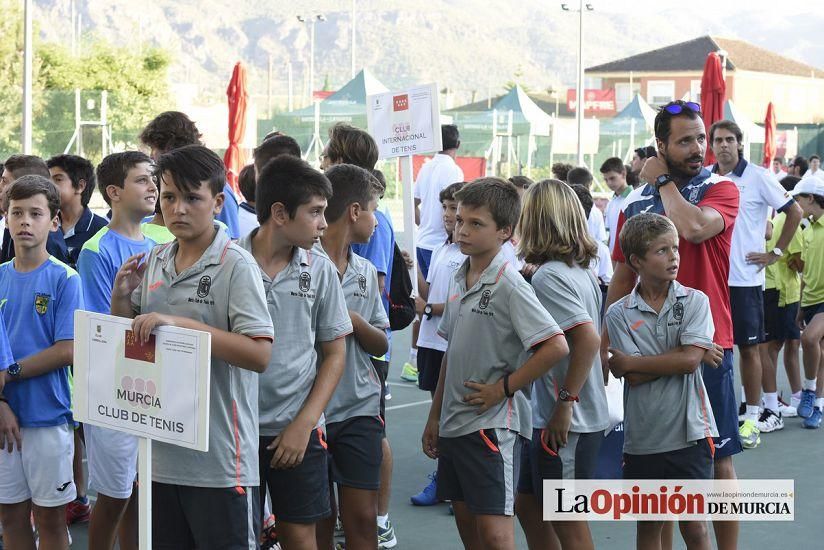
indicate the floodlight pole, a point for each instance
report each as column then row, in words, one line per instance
column 28, row 53
column 579, row 87
column 353, row 38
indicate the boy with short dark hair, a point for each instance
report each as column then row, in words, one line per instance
column 127, row 184
column 354, row 428
column 305, row 298
column 668, row 420
column 203, row 281
column 74, row 178
column 270, row 148
column 246, row 215
column 38, row 297
column 172, row 130
column 478, row 415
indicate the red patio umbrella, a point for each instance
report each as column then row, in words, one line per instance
column 713, row 89
column 237, row 96
column 769, row 136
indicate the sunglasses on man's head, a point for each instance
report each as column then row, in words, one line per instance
column 677, row 107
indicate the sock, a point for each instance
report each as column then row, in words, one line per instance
column 819, row 403
column 771, row 401
column 382, row 520
column 743, row 395
column 413, row 356
column 809, row 385
column 796, row 395
column 752, row 413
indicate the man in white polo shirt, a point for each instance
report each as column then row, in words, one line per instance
column 615, row 176
column 759, row 192
column 433, row 178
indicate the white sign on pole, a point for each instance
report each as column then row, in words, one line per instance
column 158, row 390
column 405, row 123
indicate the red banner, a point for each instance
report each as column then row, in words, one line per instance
column 596, row 102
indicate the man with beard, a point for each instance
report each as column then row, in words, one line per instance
column 760, row 193
column 703, row 206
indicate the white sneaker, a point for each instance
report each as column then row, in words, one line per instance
column 786, row 411
column 769, row 422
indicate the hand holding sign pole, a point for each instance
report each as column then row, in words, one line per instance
column 406, row 123
column 157, row 390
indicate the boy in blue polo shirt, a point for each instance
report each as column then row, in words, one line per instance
column 38, row 297
column 127, row 184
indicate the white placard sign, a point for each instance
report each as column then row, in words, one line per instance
column 158, row 390
column 405, row 123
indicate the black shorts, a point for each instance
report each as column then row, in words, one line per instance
column 747, row 306
column 779, row 322
column 577, row 460
column 382, row 370
column 812, row 311
column 299, row 494
column 356, row 451
column 693, row 462
column 481, row 470
column 429, row 368
column 186, row 518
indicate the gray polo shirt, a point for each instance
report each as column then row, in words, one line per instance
column 487, row 328
column 572, row 296
column 359, row 390
column 222, row 289
column 672, row 412
column 306, row 304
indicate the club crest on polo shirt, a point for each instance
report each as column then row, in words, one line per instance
column 304, row 286
column 41, row 303
column 483, row 304
column 204, row 287
column 361, row 287
column 677, row 314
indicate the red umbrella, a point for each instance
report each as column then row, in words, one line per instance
column 713, row 89
column 769, row 136
column 237, row 95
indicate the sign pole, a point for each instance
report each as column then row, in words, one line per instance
column 409, row 226
column 144, row 476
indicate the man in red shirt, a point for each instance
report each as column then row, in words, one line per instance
column 703, row 206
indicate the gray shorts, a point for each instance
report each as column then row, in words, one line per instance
column 481, row 470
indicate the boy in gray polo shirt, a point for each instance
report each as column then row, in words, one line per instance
column 203, row 281
column 354, row 428
column 659, row 334
column 306, row 302
column 478, row 415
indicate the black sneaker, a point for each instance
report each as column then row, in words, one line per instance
column 742, row 412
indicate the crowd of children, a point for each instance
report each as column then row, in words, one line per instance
column 515, row 342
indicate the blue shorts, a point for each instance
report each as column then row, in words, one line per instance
column 720, row 384
column 693, row 462
column 812, row 311
column 424, row 259
column 747, row 306
column 779, row 322
column 611, row 455
column 576, row 460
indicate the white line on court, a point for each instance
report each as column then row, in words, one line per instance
column 405, row 405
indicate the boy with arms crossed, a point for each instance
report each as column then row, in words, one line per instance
column 306, row 300
column 478, row 414
column 38, row 297
column 659, row 334
column 203, row 281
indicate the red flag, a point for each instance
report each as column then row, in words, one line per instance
column 713, row 89
column 237, row 96
column 769, row 136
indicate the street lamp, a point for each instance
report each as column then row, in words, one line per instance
column 311, row 19
column 579, row 93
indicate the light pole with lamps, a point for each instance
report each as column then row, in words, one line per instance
column 311, row 19
column 579, row 88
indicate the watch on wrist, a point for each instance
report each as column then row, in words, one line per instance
column 427, row 310
column 15, row 369
column 777, row 252
column 662, row 180
column 564, row 395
